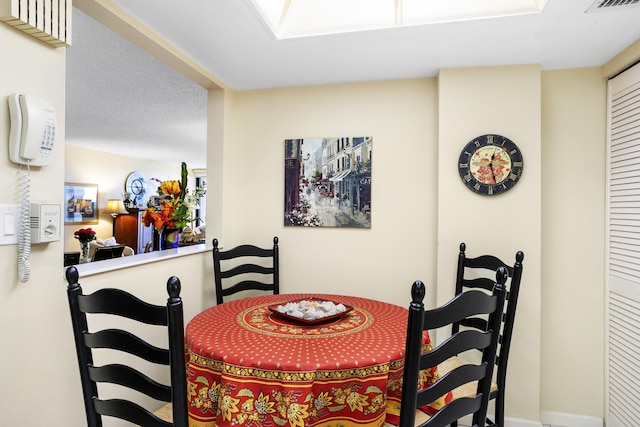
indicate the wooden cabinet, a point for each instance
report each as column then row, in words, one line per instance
column 129, row 230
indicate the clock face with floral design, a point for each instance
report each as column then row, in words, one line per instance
column 490, row 164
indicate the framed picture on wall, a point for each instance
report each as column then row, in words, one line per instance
column 81, row 203
column 155, row 202
column 328, row 182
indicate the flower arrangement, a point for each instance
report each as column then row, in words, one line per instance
column 176, row 204
column 85, row 235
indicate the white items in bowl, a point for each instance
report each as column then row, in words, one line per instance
column 311, row 310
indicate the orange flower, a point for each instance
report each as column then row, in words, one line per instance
column 171, row 188
column 161, row 219
column 173, row 210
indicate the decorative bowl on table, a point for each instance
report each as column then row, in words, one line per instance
column 310, row 311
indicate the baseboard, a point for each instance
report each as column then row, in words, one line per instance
column 508, row 422
column 518, row 422
column 558, row 419
column 547, row 419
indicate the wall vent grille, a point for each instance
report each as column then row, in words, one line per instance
column 47, row 20
column 604, row 5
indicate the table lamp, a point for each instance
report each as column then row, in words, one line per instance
column 115, row 207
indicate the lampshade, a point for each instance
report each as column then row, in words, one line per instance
column 115, row 207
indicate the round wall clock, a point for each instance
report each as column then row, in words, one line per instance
column 137, row 186
column 490, row 164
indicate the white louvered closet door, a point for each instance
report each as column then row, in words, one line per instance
column 623, row 289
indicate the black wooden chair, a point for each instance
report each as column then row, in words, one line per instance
column 473, row 377
column 71, row 258
column 475, row 273
column 108, row 252
column 120, row 304
column 238, row 269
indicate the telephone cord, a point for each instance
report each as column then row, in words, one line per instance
column 24, row 238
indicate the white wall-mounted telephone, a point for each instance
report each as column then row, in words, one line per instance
column 31, row 142
column 33, row 130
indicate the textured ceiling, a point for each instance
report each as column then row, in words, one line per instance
column 121, row 99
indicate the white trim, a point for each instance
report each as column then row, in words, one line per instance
column 511, row 422
column 91, row 268
column 607, row 277
column 548, row 419
column 558, row 419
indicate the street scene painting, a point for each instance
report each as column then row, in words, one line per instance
column 327, row 182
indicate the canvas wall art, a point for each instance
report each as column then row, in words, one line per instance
column 82, row 203
column 328, row 182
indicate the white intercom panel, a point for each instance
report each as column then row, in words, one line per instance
column 45, row 222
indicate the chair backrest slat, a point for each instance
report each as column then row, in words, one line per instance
column 131, row 378
column 466, row 305
column 245, row 269
column 237, row 269
column 246, row 250
column 468, row 340
column 121, row 303
column 118, row 339
column 451, row 381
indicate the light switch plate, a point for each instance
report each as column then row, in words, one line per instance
column 9, row 224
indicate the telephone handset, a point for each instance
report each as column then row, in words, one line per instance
column 33, row 130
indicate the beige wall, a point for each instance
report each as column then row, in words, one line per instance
column 573, row 241
column 400, row 247
column 505, row 101
column 32, row 316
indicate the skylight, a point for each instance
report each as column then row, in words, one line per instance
column 300, row 18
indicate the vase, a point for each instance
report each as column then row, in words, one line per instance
column 84, row 252
column 169, row 238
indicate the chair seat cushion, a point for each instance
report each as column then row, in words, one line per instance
column 165, row 413
column 468, row 389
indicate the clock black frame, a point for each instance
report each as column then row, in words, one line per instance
column 514, row 153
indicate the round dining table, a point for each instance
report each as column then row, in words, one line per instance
column 249, row 365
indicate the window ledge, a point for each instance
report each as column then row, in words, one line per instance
column 108, row 265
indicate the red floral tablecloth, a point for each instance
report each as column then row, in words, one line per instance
column 249, row 367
